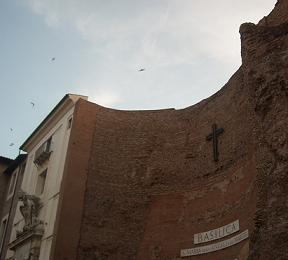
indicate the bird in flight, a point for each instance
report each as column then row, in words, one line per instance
column 11, row 144
column 142, row 69
column 32, row 103
column 53, row 59
column 11, row 129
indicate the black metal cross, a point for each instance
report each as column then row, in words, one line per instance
column 214, row 136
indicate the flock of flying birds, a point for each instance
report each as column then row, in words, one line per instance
column 33, row 104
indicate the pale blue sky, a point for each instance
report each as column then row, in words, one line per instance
column 189, row 48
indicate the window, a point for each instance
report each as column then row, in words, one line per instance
column 69, row 123
column 48, row 144
column 41, row 182
column 43, row 152
column 12, row 185
column 23, row 250
column 3, row 230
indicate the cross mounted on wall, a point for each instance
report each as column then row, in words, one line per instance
column 214, row 137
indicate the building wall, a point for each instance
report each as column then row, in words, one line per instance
column 277, row 16
column 10, row 204
column 49, row 198
column 265, row 63
column 71, row 199
column 148, row 181
column 151, row 174
column 4, row 163
column 4, row 180
column 152, row 182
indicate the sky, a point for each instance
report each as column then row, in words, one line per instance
column 188, row 48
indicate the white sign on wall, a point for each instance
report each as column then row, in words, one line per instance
column 217, row 233
column 216, row 246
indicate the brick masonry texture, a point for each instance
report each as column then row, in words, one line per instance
column 265, row 63
column 150, row 181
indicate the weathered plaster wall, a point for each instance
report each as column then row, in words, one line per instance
column 54, row 166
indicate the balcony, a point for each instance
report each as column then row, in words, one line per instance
column 43, row 152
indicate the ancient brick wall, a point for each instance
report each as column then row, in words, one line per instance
column 265, row 63
column 142, row 183
column 152, row 181
column 277, row 16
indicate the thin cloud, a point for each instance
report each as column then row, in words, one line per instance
column 105, row 98
column 176, row 41
column 161, row 32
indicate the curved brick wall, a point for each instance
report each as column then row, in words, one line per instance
column 152, row 183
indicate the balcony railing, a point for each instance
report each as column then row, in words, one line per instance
column 43, row 152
